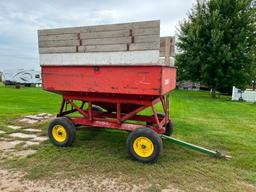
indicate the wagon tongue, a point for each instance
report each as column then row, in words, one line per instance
column 197, row 148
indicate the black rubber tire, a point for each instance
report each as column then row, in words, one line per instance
column 155, row 139
column 69, row 127
column 169, row 129
column 69, row 119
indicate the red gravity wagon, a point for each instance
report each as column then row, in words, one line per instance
column 109, row 74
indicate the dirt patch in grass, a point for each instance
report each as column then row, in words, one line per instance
column 19, row 141
column 13, row 180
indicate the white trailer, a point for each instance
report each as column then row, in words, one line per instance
column 22, row 77
column 247, row 95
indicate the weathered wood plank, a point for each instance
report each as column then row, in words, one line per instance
column 58, row 31
column 146, row 24
column 171, row 44
column 172, row 49
column 162, row 51
column 144, row 46
column 167, row 50
column 162, row 40
column 62, row 43
column 96, row 28
column 107, row 41
column 57, row 37
column 105, row 34
column 146, row 31
column 121, row 26
column 57, row 50
column 150, row 57
column 146, row 38
column 102, row 48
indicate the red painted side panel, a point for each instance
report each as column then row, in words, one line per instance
column 137, row 80
column 168, row 79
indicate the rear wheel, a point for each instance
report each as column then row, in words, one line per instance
column 168, row 126
column 144, row 145
column 62, row 132
column 168, row 129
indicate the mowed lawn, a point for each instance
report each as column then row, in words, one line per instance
column 213, row 123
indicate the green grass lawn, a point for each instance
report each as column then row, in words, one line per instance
column 213, row 123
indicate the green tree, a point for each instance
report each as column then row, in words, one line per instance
column 217, row 44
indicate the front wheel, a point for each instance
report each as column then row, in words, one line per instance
column 62, row 132
column 144, row 145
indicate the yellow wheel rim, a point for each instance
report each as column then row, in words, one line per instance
column 59, row 133
column 143, row 146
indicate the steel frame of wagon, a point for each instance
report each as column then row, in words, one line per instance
column 118, row 119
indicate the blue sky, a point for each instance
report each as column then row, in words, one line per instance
column 20, row 20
